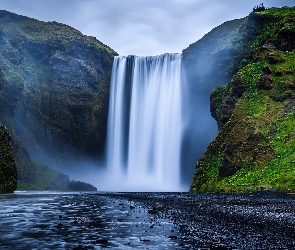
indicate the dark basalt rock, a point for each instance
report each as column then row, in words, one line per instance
column 265, row 82
column 266, row 70
column 268, row 46
column 274, row 58
column 102, row 241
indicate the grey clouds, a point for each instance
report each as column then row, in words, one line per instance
column 140, row 27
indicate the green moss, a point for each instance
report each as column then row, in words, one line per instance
column 8, row 173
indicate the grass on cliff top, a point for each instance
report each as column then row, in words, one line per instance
column 21, row 29
column 279, row 13
column 279, row 20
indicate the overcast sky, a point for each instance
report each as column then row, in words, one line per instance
column 140, row 27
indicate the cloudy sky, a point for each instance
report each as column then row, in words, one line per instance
column 140, row 27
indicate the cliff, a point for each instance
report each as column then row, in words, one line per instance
column 54, row 90
column 209, row 63
column 8, row 172
column 255, row 145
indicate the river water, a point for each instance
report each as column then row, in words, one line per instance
column 59, row 220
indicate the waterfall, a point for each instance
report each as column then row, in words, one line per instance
column 145, row 124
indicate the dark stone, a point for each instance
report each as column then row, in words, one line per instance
column 291, row 85
column 265, row 82
column 287, row 39
column 266, row 70
column 269, row 46
column 102, row 241
column 274, row 58
column 60, row 225
column 152, row 211
column 158, row 206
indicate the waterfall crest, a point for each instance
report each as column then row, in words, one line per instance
column 145, row 124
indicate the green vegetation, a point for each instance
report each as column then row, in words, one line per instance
column 255, row 146
column 8, row 174
column 81, row 186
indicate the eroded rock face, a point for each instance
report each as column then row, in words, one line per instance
column 55, row 88
column 8, row 173
column 213, row 60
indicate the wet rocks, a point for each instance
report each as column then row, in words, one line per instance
column 102, row 241
column 156, row 208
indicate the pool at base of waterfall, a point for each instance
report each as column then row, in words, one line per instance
column 95, row 220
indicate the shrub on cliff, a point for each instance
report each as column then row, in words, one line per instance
column 8, row 173
column 81, row 186
column 259, row 8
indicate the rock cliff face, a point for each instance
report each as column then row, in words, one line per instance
column 54, row 92
column 254, row 148
column 208, row 63
column 8, row 173
column 213, row 60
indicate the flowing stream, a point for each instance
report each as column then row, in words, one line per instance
column 145, row 123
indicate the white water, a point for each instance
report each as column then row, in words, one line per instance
column 145, row 124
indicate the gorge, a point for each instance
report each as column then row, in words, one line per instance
column 55, row 89
column 194, row 150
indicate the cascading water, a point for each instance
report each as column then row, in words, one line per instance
column 145, row 124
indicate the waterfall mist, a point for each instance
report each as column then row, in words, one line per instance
column 145, row 124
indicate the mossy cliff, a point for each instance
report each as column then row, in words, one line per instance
column 255, row 112
column 209, row 63
column 8, row 172
column 54, row 90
